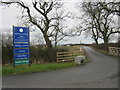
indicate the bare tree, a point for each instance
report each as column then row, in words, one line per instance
column 101, row 21
column 43, row 20
column 57, row 33
column 114, row 7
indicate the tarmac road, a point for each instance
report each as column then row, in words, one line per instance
column 100, row 72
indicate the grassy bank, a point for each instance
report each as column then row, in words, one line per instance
column 8, row 70
column 100, row 50
column 86, row 61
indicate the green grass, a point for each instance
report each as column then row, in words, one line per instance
column 8, row 70
column 0, row 70
column 86, row 60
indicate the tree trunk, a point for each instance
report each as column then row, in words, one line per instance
column 106, row 43
column 96, row 41
column 51, row 51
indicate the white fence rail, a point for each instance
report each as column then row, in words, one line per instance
column 114, row 51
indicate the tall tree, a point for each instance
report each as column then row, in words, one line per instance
column 43, row 19
column 59, row 28
column 100, row 19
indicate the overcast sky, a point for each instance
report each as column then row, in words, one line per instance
column 9, row 15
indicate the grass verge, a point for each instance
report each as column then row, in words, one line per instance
column 9, row 70
column 86, row 60
column 101, row 51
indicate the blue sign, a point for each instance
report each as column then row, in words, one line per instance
column 21, row 45
column 19, row 51
column 21, row 34
column 21, row 56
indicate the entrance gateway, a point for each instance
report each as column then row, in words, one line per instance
column 21, row 45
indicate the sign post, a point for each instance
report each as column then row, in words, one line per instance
column 21, row 45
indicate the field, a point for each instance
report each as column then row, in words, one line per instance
column 70, row 48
